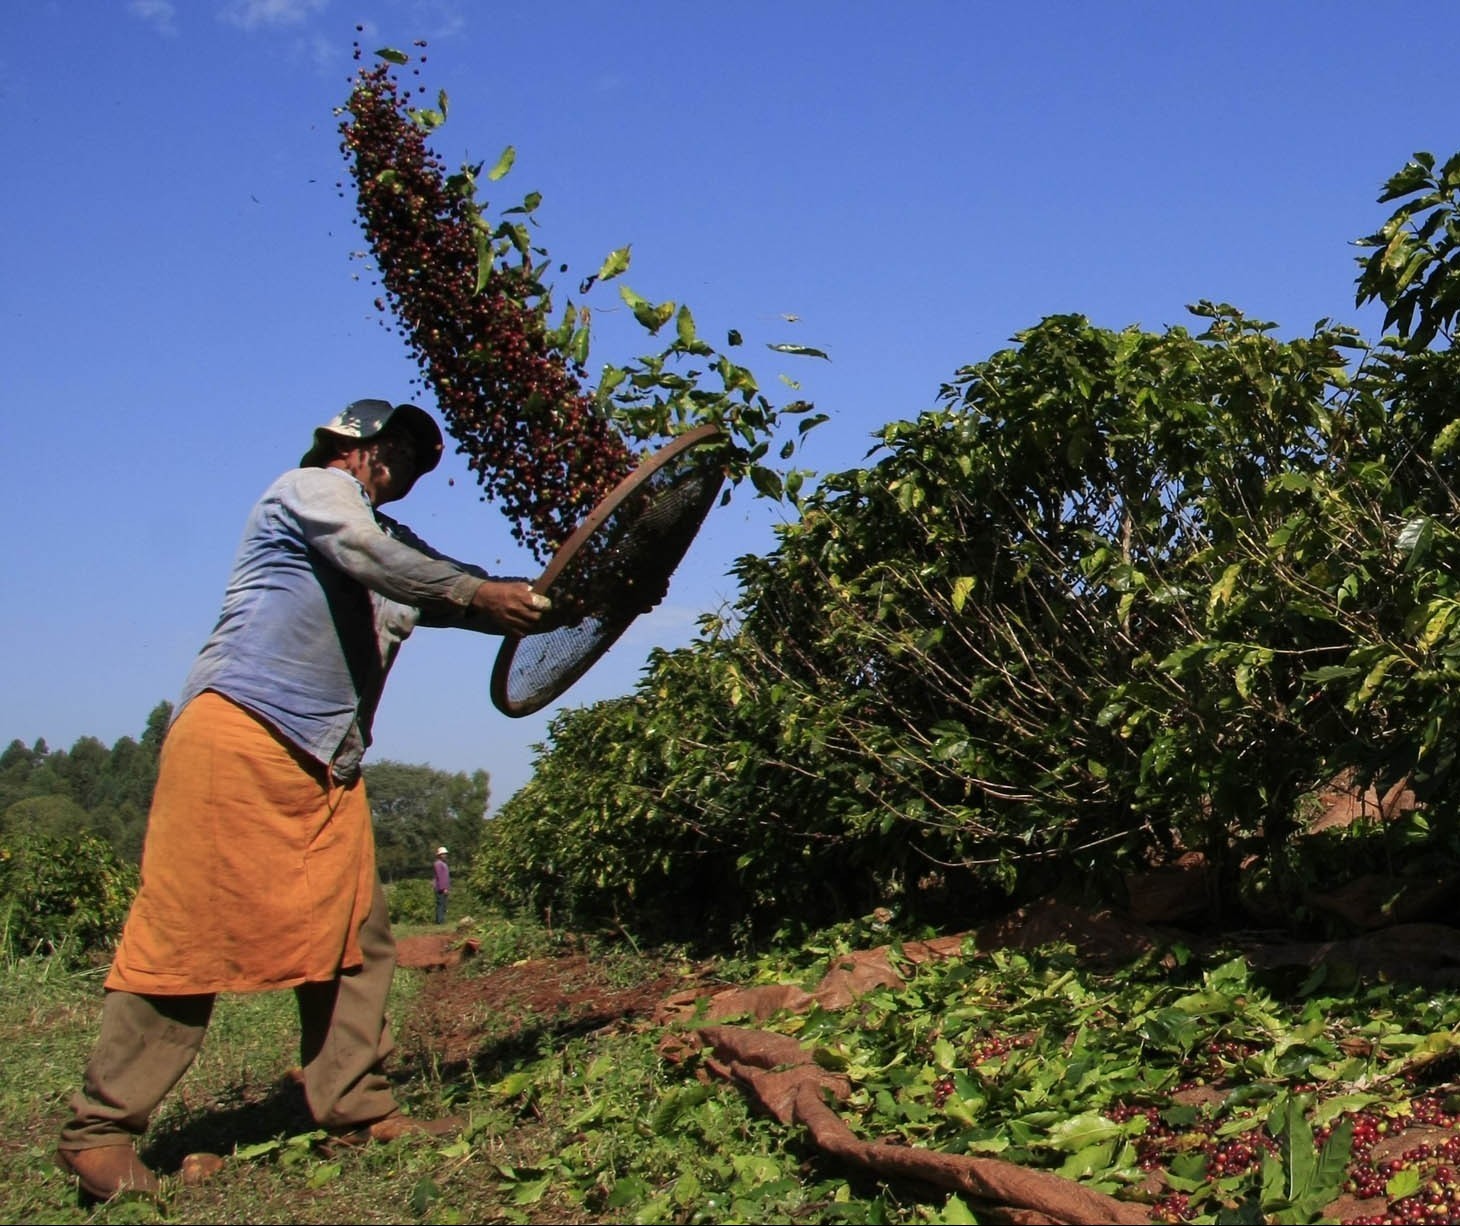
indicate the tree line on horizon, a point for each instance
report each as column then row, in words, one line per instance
column 100, row 792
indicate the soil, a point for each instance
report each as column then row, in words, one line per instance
column 465, row 1014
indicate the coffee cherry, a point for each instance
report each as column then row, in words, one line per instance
column 512, row 402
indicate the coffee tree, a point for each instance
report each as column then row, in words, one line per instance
column 65, row 895
column 1119, row 594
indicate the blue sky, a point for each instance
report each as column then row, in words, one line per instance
column 913, row 182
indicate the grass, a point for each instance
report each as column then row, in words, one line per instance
column 235, row 1102
column 564, row 1127
column 1031, row 1057
column 234, row 1099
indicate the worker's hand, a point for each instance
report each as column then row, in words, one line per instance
column 511, row 604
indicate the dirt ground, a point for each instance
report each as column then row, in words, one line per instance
column 465, row 1012
column 462, row 1011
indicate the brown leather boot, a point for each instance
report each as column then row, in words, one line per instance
column 108, row 1170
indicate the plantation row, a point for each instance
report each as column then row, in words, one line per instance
column 1118, row 595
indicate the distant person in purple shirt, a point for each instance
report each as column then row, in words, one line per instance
column 442, row 875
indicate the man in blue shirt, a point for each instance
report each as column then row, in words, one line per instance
column 258, row 870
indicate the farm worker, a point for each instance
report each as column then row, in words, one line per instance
column 258, row 869
column 442, row 875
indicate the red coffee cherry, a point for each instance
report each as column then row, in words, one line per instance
column 513, row 403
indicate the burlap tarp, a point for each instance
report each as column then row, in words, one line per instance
column 783, row 1077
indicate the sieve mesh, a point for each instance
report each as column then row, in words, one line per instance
column 616, row 566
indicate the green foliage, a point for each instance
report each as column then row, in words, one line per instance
column 57, row 816
column 106, row 793
column 1120, row 593
column 412, row 901
column 1302, row 1180
column 1191, row 1084
column 684, row 817
column 1414, row 269
column 71, row 825
column 62, row 894
column 90, row 795
column 417, row 808
column 90, row 788
column 640, row 1144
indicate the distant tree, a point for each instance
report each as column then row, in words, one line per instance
column 157, row 721
column 92, row 791
column 89, row 790
column 84, row 767
column 16, row 754
column 130, row 775
column 18, row 767
column 50, row 776
column 418, row 808
column 129, row 825
column 57, row 817
column 16, row 764
column 123, row 763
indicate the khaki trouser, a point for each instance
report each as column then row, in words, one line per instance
column 148, row 1042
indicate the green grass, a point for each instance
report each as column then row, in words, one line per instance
column 572, row 1128
column 1030, row 1057
column 234, row 1099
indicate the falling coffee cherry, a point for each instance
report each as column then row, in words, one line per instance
column 512, row 402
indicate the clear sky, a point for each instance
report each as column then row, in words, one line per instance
column 913, row 182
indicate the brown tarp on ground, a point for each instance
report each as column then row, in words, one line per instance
column 786, row 1080
column 783, row 1076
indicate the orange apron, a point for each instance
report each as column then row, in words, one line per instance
column 257, row 870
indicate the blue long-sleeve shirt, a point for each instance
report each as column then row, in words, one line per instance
column 323, row 592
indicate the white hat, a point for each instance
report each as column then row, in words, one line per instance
column 441, row 851
column 364, row 419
